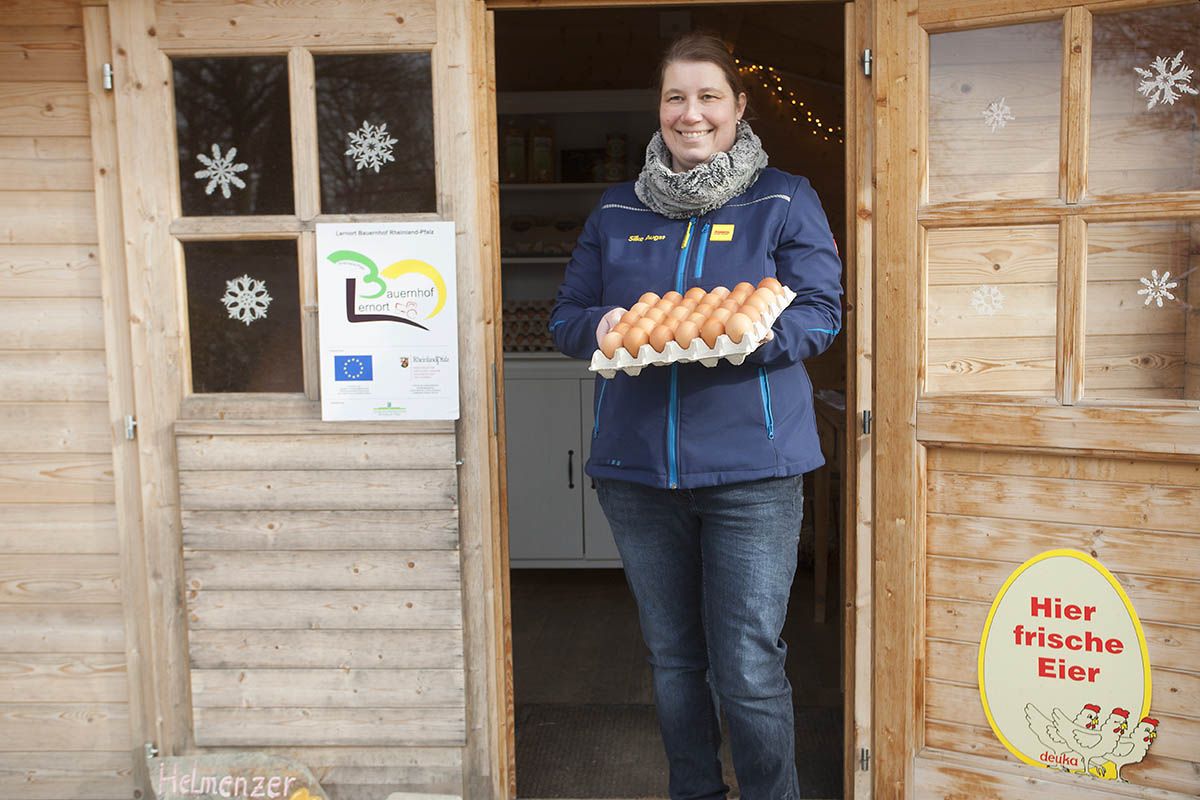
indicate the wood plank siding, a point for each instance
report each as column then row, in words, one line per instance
column 64, row 692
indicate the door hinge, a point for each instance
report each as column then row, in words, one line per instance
column 130, row 426
column 864, row 759
column 866, row 62
column 106, row 72
column 866, row 421
column 151, row 750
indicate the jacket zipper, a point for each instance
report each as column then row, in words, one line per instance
column 764, row 387
column 700, row 253
column 599, row 403
column 673, row 398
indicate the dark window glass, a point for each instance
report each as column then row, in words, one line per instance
column 234, row 135
column 243, row 301
column 375, row 128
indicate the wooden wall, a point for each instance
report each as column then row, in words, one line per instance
column 988, row 512
column 64, row 697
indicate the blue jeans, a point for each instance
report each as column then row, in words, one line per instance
column 711, row 570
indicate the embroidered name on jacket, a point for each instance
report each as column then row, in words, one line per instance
column 650, row 237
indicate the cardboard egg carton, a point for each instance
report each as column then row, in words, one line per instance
column 724, row 348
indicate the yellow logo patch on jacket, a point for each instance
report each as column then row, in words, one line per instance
column 721, row 233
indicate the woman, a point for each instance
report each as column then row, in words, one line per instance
column 699, row 469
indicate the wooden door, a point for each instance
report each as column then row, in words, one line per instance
column 1039, row 371
column 323, row 589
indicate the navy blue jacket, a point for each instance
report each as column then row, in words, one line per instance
column 687, row 425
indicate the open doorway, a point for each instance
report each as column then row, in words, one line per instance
column 575, row 113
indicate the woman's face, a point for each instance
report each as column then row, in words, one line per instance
column 697, row 112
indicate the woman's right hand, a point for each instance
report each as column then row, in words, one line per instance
column 608, row 321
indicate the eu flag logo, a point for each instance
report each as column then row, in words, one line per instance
column 352, row 368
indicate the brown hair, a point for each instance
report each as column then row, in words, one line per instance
column 703, row 46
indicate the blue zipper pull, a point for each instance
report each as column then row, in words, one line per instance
column 764, row 387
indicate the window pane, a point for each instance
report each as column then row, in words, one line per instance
column 375, row 132
column 1143, row 329
column 990, row 305
column 234, row 134
column 994, row 109
column 1144, row 132
column 243, row 301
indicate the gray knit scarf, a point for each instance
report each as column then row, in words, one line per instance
column 679, row 195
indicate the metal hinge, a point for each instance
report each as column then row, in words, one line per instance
column 866, row 421
column 130, row 427
column 151, row 750
column 866, row 62
column 106, row 72
column 864, row 759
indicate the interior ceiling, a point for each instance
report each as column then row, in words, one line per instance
column 618, row 48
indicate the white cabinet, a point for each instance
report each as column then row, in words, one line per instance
column 554, row 519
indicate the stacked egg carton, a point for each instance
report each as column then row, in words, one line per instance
column 526, row 326
column 698, row 326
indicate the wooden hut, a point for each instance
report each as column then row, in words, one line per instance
column 192, row 561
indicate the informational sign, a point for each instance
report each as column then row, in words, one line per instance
column 1064, row 674
column 388, row 320
column 232, row 775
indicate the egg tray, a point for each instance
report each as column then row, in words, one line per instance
column 725, row 348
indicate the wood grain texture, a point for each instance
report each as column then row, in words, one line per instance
column 38, row 147
column 86, row 775
column 53, row 375
column 62, row 726
column 77, row 528
column 317, row 490
column 91, row 628
column 53, row 580
column 44, row 108
column 321, row 530
column 55, row 428
column 327, row 688
column 328, row 569
column 32, row 217
column 331, row 451
column 234, row 649
column 310, row 609
column 66, row 323
column 260, row 25
column 51, row 478
column 1129, row 468
column 49, row 270
column 64, row 677
column 41, row 52
column 252, row 727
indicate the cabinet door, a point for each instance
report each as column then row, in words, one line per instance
column 597, row 536
column 545, row 465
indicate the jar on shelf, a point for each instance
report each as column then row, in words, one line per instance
column 512, row 167
column 614, row 157
column 541, row 153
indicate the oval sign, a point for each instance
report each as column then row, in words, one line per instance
column 1064, row 674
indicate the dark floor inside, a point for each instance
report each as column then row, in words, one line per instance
column 585, row 719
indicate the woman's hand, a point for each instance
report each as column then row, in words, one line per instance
column 608, row 321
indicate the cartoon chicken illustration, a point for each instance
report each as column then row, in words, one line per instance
column 1129, row 750
column 1092, row 744
column 1044, row 729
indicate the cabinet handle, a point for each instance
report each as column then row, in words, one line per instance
column 570, row 469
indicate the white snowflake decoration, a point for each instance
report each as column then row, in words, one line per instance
column 997, row 115
column 1165, row 81
column 987, row 300
column 1158, row 287
column 221, row 170
column 246, row 299
column 371, row 146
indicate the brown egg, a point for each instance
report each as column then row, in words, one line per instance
column 743, row 288
column 686, row 332
column 705, row 309
column 649, row 298
column 646, row 324
column 679, row 312
column 737, row 327
column 731, row 304
column 665, row 306
column 750, row 311
column 766, row 294
column 689, row 303
column 697, row 317
column 673, row 296
column 719, row 293
column 711, row 330
column 610, row 342
column 771, row 283
column 756, row 303
column 634, row 340
column 629, row 317
column 622, row 328
column 655, row 314
column 694, row 293
column 638, row 309
column 721, row 314
column 659, row 338
column 672, row 323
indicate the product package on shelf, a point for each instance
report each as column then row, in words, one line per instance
column 698, row 326
column 526, row 326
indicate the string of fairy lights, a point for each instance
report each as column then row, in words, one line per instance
column 786, row 99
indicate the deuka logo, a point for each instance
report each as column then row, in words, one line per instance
column 400, row 300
